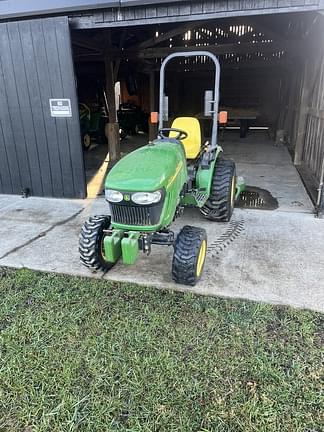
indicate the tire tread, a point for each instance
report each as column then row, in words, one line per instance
column 218, row 207
column 186, row 251
column 90, row 241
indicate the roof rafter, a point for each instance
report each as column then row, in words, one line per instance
column 153, row 41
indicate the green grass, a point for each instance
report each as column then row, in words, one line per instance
column 89, row 355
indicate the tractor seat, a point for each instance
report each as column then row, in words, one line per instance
column 192, row 143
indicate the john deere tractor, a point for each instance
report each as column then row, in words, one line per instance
column 149, row 188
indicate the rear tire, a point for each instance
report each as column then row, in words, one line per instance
column 91, row 243
column 220, row 204
column 189, row 255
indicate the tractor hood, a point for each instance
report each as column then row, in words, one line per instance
column 149, row 168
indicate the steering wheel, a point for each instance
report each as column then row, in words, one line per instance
column 181, row 134
column 84, row 111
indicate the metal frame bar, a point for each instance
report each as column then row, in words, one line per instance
column 216, row 87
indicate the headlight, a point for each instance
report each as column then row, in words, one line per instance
column 146, row 197
column 113, row 195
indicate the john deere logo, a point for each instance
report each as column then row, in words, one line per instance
column 127, row 197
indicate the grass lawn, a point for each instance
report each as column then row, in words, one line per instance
column 89, row 355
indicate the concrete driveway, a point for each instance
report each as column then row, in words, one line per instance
column 271, row 256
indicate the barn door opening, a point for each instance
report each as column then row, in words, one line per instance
column 40, row 149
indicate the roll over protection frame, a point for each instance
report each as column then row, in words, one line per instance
column 216, row 88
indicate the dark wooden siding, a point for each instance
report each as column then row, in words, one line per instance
column 37, row 151
column 158, row 13
column 122, row 10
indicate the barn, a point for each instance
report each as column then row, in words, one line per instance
column 63, row 59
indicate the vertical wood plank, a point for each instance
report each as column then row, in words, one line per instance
column 11, row 182
column 5, row 177
column 16, row 135
column 24, row 105
column 37, row 123
column 73, row 143
column 301, row 115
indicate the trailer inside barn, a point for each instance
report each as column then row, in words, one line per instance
column 272, row 85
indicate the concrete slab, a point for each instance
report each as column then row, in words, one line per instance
column 271, row 256
column 26, row 219
column 39, row 210
column 265, row 165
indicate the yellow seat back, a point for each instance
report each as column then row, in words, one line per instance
column 192, row 143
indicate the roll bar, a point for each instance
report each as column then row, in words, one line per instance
column 216, row 88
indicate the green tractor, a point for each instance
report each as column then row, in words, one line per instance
column 149, row 188
column 92, row 125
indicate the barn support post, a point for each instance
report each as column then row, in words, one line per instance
column 112, row 127
column 152, row 126
column 290, row 107
column 302, row 114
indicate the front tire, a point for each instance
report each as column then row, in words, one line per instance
column 86, row 141
column 220, row 204
column 91, row 247
column 189, row 255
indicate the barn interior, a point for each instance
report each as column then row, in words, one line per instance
column 270, row 65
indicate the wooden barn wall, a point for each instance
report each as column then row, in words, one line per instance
column 38, row 152
column 302, row 114
column 187, row 11
column 313, row 150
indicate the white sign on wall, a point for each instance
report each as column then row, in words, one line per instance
column 60, row 107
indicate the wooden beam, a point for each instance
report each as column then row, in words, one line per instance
column 260, row 25
column 232, row 48
column 293, row 86
column 248, row 64
column 167, row 35
column 110, row 90
column 152, row 126
column 301, row 120
column 117, row 62
column 112, row 128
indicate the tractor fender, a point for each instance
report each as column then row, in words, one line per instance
column 204, row 177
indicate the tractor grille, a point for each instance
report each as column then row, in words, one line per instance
column 135, row 215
